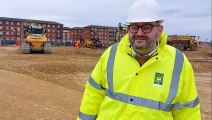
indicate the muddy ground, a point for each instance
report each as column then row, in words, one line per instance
column 50, row 86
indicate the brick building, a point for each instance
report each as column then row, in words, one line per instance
column 66, row 33
column 12, row 29
column 76, row 33
column 104, row 33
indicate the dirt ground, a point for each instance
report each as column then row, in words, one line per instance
column 50, row 86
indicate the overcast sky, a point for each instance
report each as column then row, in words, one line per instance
column 181, row 16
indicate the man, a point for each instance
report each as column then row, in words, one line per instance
column 141, row 78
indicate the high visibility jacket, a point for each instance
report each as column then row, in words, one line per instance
column 163, row 88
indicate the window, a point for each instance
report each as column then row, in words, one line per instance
column 58, row 26
column 7, row 22
column 18, row 28
column 0, row 22
column 18, row 23
column 25, row 24
column 0, row 27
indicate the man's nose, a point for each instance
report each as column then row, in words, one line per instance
column 140, row 31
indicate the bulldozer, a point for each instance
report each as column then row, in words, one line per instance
column 36, row 40
column 183, row 42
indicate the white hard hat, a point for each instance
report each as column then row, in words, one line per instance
column 144, row 11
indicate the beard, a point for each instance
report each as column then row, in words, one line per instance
column 140, row 42
column 143, row 44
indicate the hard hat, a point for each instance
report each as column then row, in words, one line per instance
column 144, row 11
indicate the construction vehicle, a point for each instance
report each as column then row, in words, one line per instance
column 36, row 40
column 97, row 43
column 84, row 43
column 121, row 30
column 183, row 42
column 89, row 43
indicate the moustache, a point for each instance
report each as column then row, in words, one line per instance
column 140, row 37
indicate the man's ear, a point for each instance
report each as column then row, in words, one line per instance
column 160, row 30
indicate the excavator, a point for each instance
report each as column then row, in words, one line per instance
column 36, row 40
column 121, row 27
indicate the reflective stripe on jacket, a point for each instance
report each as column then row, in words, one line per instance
column 163, row 88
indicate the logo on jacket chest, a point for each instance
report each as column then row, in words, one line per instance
column 158, row 78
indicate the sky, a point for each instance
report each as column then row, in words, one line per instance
column 181, row 16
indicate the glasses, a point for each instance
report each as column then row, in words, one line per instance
column 147, row 28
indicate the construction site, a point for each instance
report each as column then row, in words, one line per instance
column 50, row 86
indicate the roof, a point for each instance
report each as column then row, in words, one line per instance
column 66, row 28
column 77, row 28
column 99, row 26
column 28, row 20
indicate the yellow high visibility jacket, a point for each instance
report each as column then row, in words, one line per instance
column 163, row 88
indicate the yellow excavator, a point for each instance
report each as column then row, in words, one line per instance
column 36, row 40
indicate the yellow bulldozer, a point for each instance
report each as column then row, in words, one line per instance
column 36, row 40
column 183, row 42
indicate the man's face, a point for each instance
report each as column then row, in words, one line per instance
column 144, row 35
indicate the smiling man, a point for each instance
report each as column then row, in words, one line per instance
column 143, row 36
column 141, row 78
